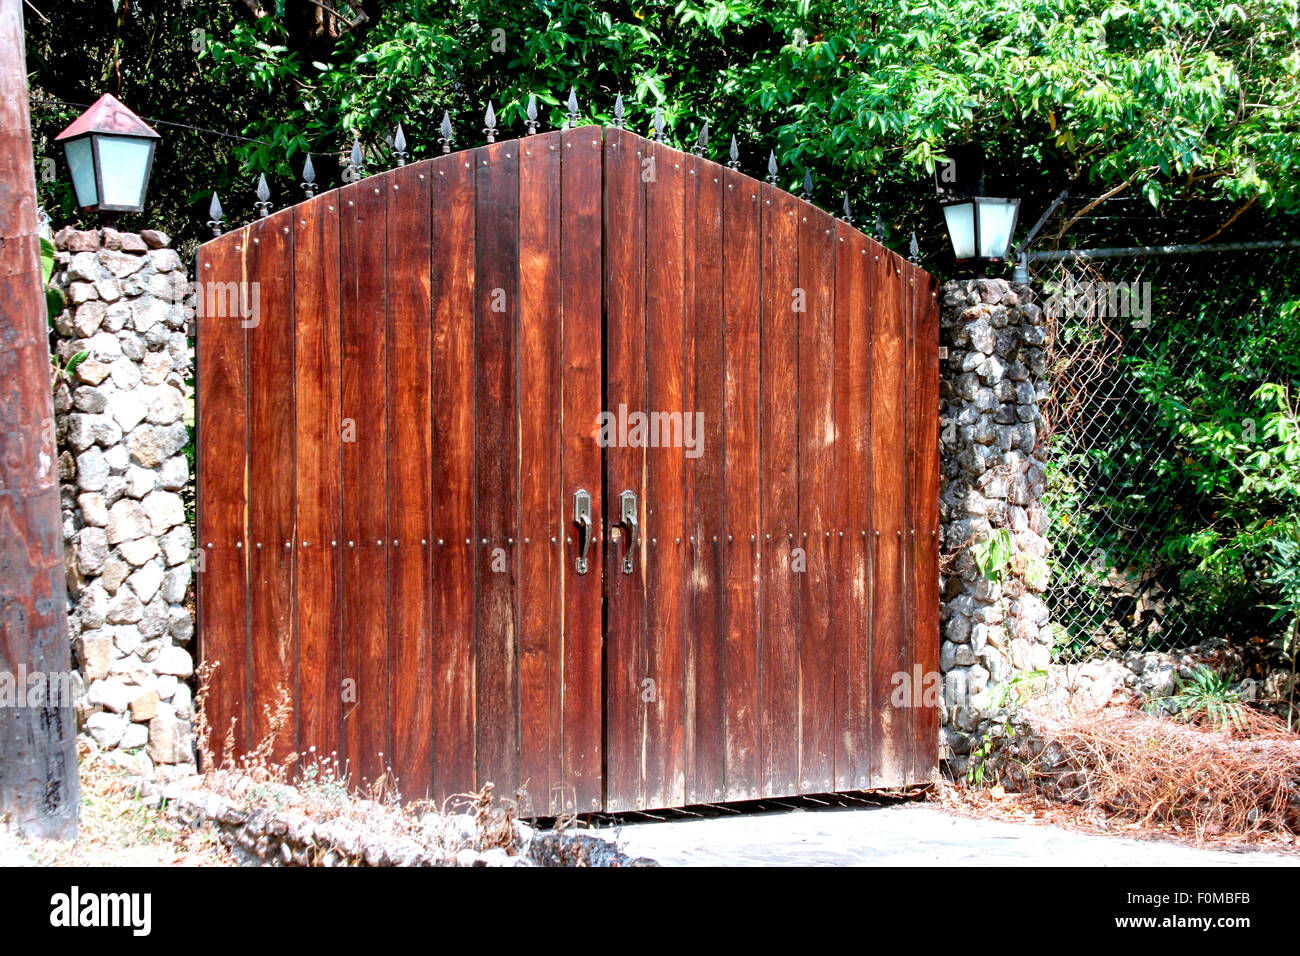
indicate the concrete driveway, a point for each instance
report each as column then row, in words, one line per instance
column 906, row 834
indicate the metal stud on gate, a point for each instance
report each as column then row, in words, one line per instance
column 734, row 153
column 308, row 184
column 445, row 128
column 573, row 108
column 618, row 111
column 771, row 167
column 399, row 146
column 263, row 204
column 490, row 119
column 702, row 141
column 217, row 221
column 531, row 113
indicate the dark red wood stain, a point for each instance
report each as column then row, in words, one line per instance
column 496, row 447
column 410, row 403
column 420, row 401
column 582, row 754
column 222, row 465
column 541, row 578
column 453, row 292
column 625, row 384
column 744, row 285
column 318, row 478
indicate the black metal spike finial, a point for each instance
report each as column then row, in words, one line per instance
column 490, row 119
column 618, row 111
column 356, row 162
column 531, row 113
column 807, row 185
column 914, row 249
column 217, row 222
column 308, row 184
column 573, row 108
column 399, row 146
column 880, row 228
column 703, row 140
column 734, row 153
column 659, row 125
column 848, row 210
column 446, row 137
column 263, row 204
column 771, row 167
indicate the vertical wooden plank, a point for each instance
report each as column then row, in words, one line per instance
column 496, row 445
column 689, row 549
column 625, row 387
column 271, row 483
column 889, row 728
column 410, row 492
column 905, row 692
column 38, row 749
column 452, row 202
column 318, row 474
column 822, row 529
column 540, row 518
column 854, row 256
column 925, row 635
column 364, row 420
column 222, row 491
column 707, row 488
column 744, row 286
column 581, row 369
column 665, row 474
column 780, row 494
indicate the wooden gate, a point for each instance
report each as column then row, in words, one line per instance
column 415, row 387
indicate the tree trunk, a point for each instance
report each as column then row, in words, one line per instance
column 38, row 761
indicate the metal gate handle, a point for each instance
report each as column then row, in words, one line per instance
column 582, row 518
column 627, row 516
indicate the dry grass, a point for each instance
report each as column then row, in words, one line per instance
column 322, row 788
column 1134, row 771
column 118, row 827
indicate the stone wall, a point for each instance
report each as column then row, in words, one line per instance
column 993, row 463
column 121, row 431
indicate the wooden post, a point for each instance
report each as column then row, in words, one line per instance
column 38, row 761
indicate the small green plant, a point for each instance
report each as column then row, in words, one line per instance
column 1206, row 696
column 992, row 554
column 65, row 371
column 54, row 300
column 1007, row 698
column 1285, row 577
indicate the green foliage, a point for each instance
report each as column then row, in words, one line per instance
column 1008, row 698
column 54, row 300
column 1168, row 98
column 1206, row 697
column 992, row 553
column 1177, row 497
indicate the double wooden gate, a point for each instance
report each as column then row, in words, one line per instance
column 413, row 389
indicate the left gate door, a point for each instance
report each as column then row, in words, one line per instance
column 400, row 390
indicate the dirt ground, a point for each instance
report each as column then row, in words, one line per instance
column 117, row 828
column 120, row 828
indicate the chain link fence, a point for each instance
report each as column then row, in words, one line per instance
column 1142, row 334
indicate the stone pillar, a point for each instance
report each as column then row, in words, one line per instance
column 121, row 430
column 992, row 440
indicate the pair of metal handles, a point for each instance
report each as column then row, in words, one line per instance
column 582, row 518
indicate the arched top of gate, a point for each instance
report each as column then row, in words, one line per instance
column 389, row 181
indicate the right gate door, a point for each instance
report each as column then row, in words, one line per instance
column 771, row 492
